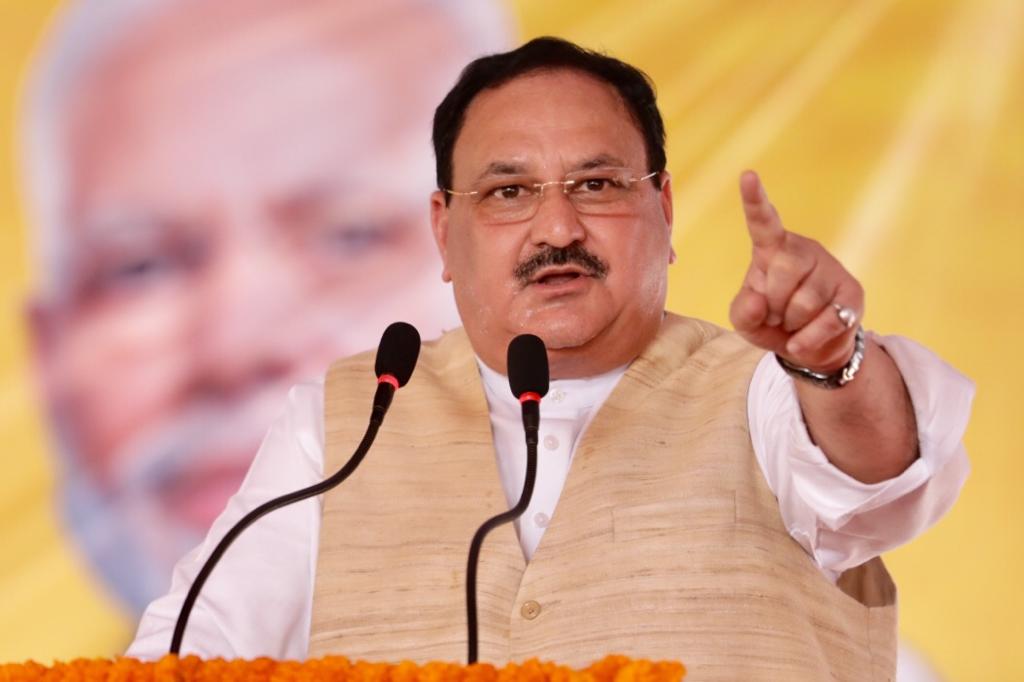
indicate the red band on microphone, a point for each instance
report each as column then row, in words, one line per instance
column 529, row 395
column 388, row 379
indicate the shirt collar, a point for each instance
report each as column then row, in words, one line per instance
column 566, row 398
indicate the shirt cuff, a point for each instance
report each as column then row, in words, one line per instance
column 941, row 399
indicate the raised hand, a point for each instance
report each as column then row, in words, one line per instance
column 797, row 300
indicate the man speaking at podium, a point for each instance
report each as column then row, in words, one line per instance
column 719, row 498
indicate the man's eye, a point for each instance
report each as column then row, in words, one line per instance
column 507, row 192
column 133, row 272
column 598, row 185
column 349, row 240
column 595, row 184
column 111, row 276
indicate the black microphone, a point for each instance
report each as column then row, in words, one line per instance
column 397, row 353
column 528, row 378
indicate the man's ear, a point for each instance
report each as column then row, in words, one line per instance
column 667, row 211
column 439, row 225
column 666, row 197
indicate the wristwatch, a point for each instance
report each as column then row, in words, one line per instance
column 837, row 379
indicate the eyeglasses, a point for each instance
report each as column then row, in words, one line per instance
column 594, row 192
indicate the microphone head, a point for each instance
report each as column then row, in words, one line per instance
column 398, row 351
column 528, row 366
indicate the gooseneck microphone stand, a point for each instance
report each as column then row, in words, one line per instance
column 260, row 511
column 396, row 359
column 528, row 378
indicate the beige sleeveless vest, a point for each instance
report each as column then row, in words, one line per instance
column 666, row 542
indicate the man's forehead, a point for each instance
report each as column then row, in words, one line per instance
column 198, row 40
column 545, row 119
column 249, row 104
column 272, row 25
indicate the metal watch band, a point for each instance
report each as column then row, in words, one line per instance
column 837, row 379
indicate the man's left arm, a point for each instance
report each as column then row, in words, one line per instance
column 867, row 429
column 800, row 303
column 840, row 521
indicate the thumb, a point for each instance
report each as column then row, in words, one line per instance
column 748, row 311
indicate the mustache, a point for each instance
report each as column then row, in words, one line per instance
column 575, row 254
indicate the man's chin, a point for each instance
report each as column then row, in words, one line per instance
column 196, row 498
column 564, row 329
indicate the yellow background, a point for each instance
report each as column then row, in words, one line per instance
column 890, row 131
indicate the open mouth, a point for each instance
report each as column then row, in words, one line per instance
column 557, row 276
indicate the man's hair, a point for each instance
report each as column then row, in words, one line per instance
column 546, row 53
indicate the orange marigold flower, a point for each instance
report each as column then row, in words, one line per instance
column 614, row 668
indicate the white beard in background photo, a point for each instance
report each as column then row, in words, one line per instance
column 170, row 482
column 128, row 530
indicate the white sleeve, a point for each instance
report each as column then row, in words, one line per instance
column 840, row 521
column 258, row 600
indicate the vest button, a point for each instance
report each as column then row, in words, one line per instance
column 530, row 610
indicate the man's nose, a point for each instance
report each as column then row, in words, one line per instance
column 556, row 222
column 242, row 327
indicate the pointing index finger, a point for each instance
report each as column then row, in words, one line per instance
column 763, row 224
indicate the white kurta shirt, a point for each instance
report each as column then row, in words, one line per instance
column 258, row 601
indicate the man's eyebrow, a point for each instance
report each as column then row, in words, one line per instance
column 519, row 168
column 122, row 226
column 600, row 161
column 502, row 168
